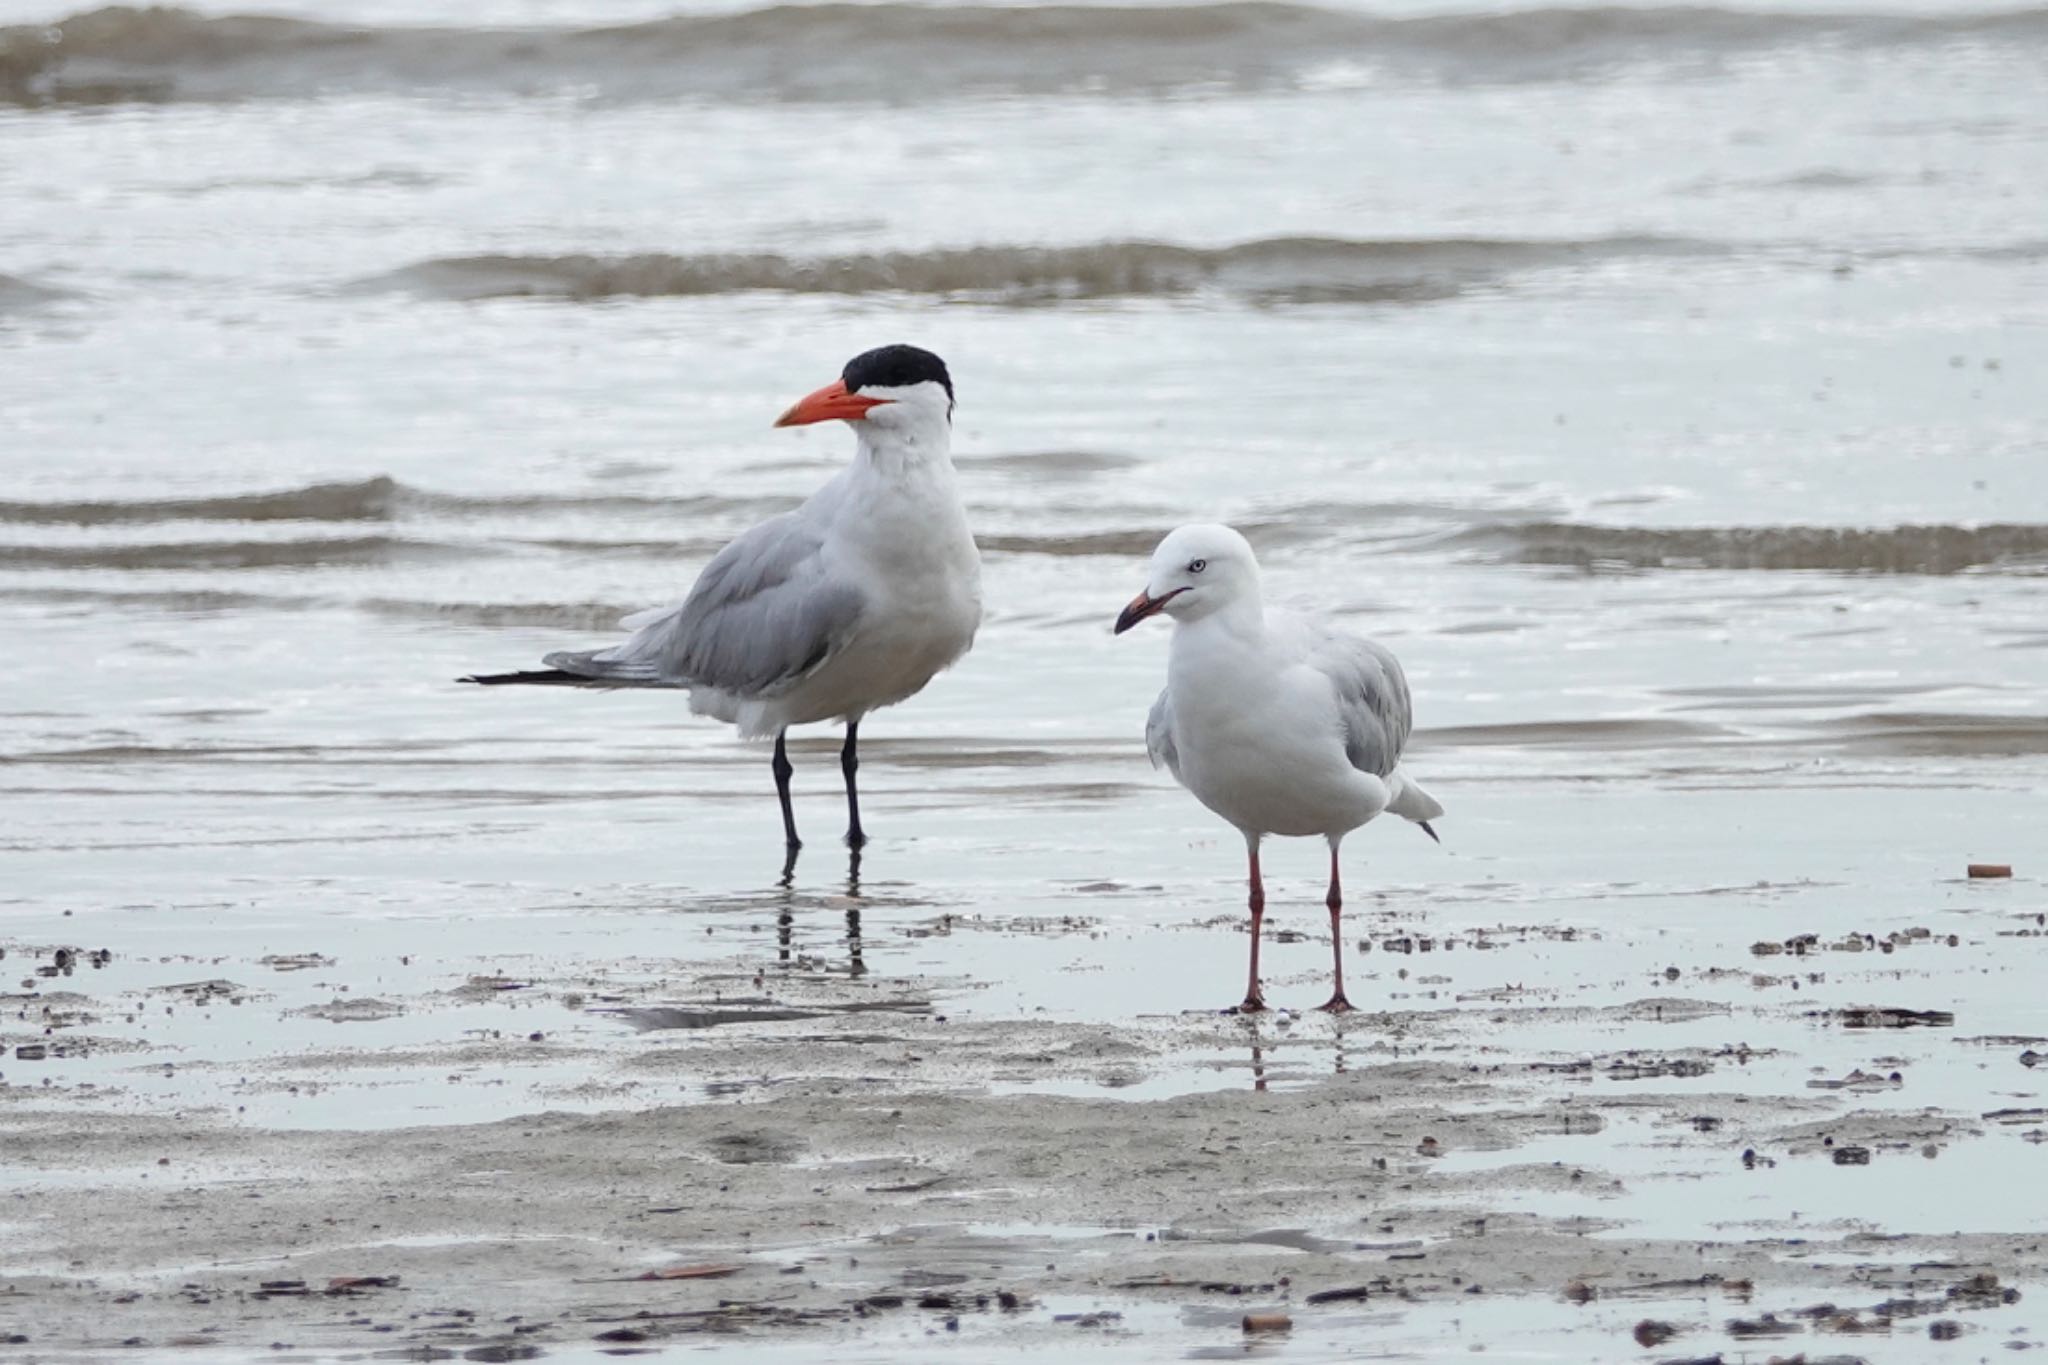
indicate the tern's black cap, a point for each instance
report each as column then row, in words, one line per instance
column 894, row 367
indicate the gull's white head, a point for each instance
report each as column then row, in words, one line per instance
column 1196, row 570
column 900, row 391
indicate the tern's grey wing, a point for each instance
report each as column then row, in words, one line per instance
column 1159, row 735
column 763, row 614
column 1372, row 700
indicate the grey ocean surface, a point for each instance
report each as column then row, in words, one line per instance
column 1666, row 385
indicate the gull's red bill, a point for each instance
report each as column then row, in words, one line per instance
column 1142, row 606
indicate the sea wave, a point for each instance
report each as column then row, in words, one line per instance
column 379, row 498
column 1510, row 533
column 857, row 51
column 590, row 616
column 322, row 553
column 1928, row 734
column 1879, row 550
column 18, row 293
column 1274, row 269
column 1891, row 734
column 1644, row 732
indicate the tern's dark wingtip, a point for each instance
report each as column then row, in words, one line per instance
column 1427, row 830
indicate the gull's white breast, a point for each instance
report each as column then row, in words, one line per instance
column 1260, row 740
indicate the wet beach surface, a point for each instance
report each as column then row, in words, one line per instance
column 1662, row 384
column 970, row 1097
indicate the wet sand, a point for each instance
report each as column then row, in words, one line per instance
column 1767, row 1115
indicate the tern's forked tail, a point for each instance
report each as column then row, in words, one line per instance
column 551, row 677
column 600, row 668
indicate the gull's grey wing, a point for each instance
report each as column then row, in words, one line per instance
column 764, row 613
column 1159, row 735
column 1372, row 699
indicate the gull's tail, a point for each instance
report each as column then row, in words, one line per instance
column 1411, row 802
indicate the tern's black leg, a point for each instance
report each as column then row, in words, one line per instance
column 780, row 767
column 849, row 763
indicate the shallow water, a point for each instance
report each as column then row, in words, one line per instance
column 1664, row 384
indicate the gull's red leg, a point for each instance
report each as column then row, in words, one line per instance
column 1336, row 1004
column 1254, row 1002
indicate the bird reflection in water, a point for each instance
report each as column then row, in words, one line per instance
column 785, row 917
column 856, row 965
column 1339, row 1064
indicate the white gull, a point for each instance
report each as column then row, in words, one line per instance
column 1274, row 720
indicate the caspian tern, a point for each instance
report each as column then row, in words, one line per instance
column 1274, row 720
column 851, row 602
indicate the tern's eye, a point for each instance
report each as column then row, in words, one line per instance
column 1197, row 565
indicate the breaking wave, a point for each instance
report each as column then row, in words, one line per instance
column 325, row 553
column 18, row 293
column 1926, row 734
column 590, row 616
column 856, row 51
column 1277, row 269
column 398, row 522
column 374, row 499
column 1890, row 734
column 1893, row 550
column 1647, row 732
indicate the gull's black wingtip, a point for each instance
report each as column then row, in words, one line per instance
column 1427, row 830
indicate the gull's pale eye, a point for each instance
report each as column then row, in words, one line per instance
column 1197, row 565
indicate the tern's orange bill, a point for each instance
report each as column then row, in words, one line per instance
column 832, row 401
